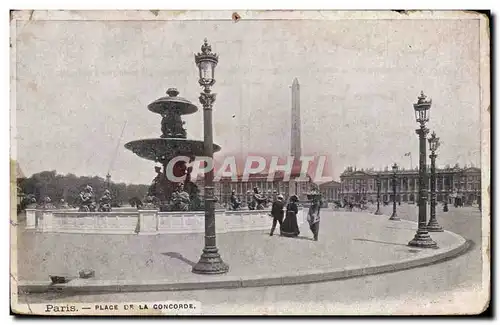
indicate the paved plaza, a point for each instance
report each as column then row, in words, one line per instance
column 431, row 288
column 348, row 241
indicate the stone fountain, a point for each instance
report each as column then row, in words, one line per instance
column 164, row 193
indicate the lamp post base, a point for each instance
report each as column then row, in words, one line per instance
column 210, row 262
column 422, row 240
column 434, row 226
column 394, row 217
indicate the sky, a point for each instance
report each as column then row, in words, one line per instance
column 79, row 83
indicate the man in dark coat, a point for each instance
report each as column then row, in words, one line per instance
column 313, row 217
column 277, row 213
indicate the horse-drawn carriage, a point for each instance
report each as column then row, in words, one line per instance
column 337, row 204
column 352, row 205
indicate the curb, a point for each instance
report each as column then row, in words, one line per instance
column 231, row 282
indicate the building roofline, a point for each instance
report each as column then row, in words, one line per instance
column 278, row 176
column 329, row 183
column 408, row 171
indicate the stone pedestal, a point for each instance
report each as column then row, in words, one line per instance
column 30, row 218
column 148, row 222
column 47, row 221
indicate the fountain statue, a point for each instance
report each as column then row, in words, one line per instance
column 31, row 201
column 235, row 203
column 259, row 200
column 105, row 202
column 63, row 204
column 180, row 199
column 87, row 200
column 166, row 194
column 46, row 203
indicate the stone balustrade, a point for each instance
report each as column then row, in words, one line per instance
column 147, row 222
column 70, row 221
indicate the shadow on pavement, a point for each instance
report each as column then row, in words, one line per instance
column 298, row 237
column 179, row 257
column 304, row 238
column 415, row 229
column 379, row 242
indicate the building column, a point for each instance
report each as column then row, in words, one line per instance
column 400, row 188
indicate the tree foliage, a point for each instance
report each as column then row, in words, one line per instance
column 68, row 187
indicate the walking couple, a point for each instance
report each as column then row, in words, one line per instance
column 288, row 227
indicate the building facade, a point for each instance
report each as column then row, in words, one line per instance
column 244, row 188
column 330, row 191
column 451, row 183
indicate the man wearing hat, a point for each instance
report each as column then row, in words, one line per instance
column 277, row 212
column 313, row 217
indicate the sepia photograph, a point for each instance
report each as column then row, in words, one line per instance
column 270, row 162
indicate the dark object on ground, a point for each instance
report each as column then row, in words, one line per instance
column 445, row 207
column 87, row 274
column 57, row 279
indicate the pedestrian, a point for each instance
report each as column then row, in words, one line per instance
column 290, row 226
column 313, row 214
column 277, row 213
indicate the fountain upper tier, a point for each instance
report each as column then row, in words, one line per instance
column 172, row 142
column 171, row 102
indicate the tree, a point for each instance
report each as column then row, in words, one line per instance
column 68, row 187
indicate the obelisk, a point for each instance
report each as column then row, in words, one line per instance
column 295, row 141
column 295, row 147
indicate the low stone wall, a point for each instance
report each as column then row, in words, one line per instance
column 147, row 222
column 70, row 221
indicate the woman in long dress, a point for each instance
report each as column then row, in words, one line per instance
column 290, row 227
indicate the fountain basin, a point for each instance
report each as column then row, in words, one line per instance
column 148, row 222
column 154, row 149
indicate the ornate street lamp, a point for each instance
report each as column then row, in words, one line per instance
column 377, row 180
column 433, row 225
column 394, row 216
column 210, row 261
column 422, row 237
